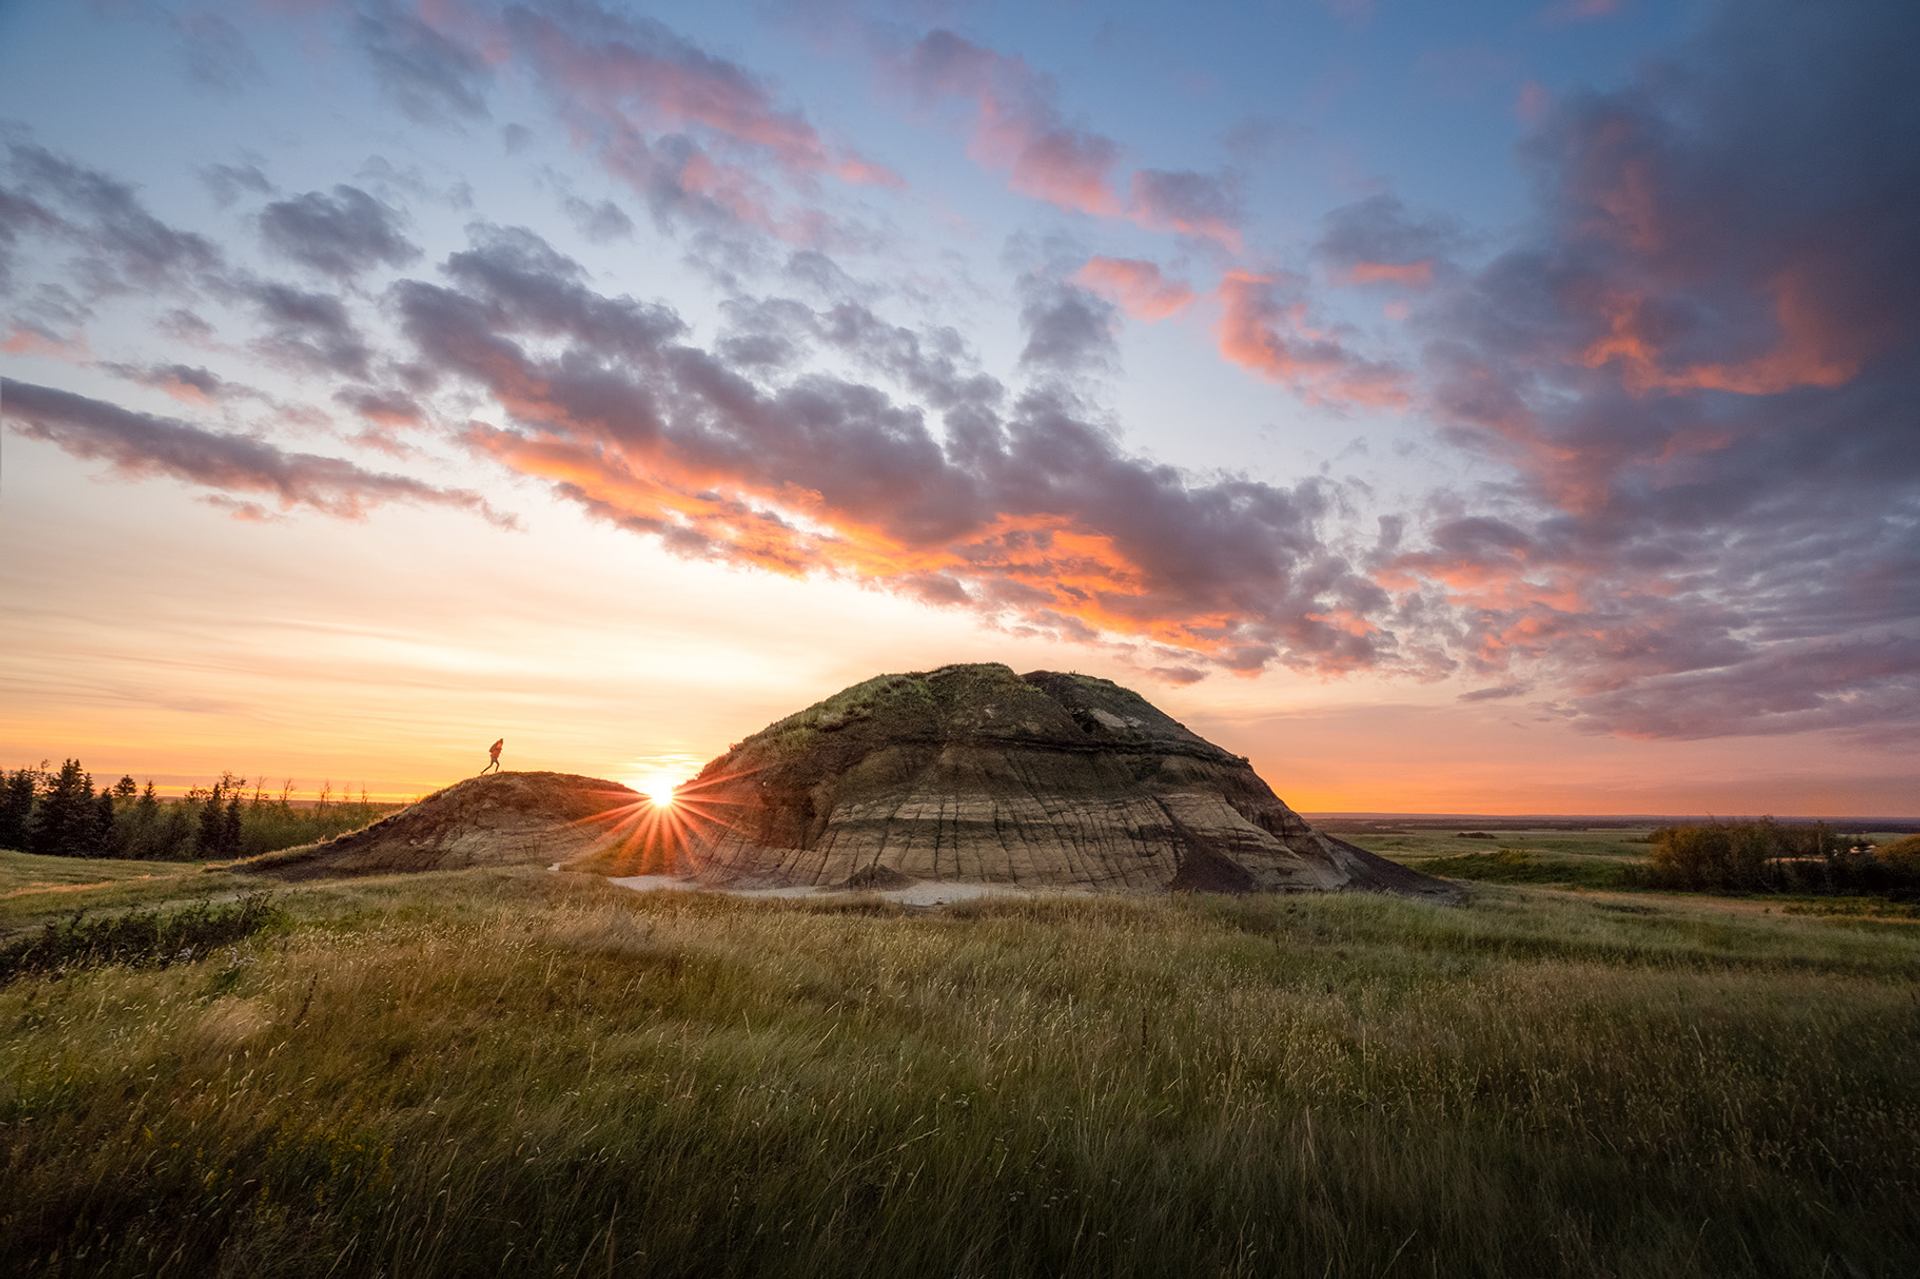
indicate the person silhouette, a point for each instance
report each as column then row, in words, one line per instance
column 493, row 756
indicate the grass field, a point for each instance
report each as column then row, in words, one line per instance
column 1583, row 858
column 532, row 1073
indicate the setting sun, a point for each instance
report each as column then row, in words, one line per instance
column 659, row 789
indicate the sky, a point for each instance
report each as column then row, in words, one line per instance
column 1486, row 408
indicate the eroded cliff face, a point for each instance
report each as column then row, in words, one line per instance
column 974, row 773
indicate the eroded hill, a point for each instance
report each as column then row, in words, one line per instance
column 974, row 773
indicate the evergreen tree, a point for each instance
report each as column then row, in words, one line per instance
column 213, row 819
column 126, row 788
column 230, row 828
column 16, row 806
column 63, row 819
column 173, row 837
column 106, row 831
column 141, row 834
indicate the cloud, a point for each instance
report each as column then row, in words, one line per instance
column 1378, row 241
column 432, row 78
column 631, row 72
column 1701, row 367
column 339, row 235
column 1264, row 326
column 1496, row 692
column 1019, row 129
column 1137, row 286
column 1010, row 505
column 123, row 246
column 1069, row 330
column 395, row 410
column 601, row 222
column 640, row 91
column 1197, row 204
column 227, row 181
column 307, row 330
column 238, row 469
column 190, row 384
column 215, row 53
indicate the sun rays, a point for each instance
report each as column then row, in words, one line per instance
column 661, row 829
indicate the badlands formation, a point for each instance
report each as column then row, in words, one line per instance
column 976, row 774
column 965, row 775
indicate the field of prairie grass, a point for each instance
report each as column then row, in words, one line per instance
column 519, row 1072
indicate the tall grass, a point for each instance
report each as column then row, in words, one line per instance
column 531, row 1073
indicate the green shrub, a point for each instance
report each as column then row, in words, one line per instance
column 140, row 938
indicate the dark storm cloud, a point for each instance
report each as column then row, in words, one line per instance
column 1703, row 365
column 239, row 471
column 1013, row 505
column 339, row 235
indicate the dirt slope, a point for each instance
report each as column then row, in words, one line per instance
column 503, row 819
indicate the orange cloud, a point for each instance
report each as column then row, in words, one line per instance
column 1814, row 348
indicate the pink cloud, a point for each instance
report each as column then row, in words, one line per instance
column 1264, row 327
column 634, row 72
column 1019, row 129
column 1137, row 286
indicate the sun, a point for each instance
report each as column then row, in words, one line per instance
column 658, row 786
column 660, row 777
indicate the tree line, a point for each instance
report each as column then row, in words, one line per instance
column 1769, row 856
column 61, row 813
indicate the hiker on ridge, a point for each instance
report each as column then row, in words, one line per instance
column 493, row 754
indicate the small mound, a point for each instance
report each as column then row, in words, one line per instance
column 878, row 879
column 503, row 819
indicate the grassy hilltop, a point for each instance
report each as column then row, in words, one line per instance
column 515, row 1071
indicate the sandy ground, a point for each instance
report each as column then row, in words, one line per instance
column 925, row 893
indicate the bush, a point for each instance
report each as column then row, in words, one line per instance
column 141, row 938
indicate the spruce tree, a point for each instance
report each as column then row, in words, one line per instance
column 212, row 820
column 63, row 819
column 106, row 831
column 16, row 806
column 230, row 828
column 174, row 836
column 142, row 837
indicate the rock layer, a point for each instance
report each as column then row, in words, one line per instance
column 974, row 773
